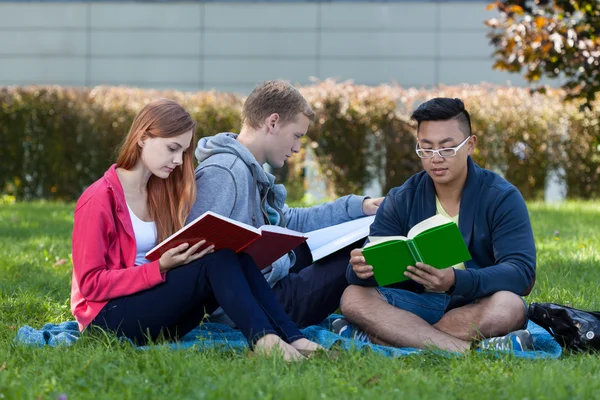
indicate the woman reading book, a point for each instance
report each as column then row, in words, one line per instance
column 141, row 200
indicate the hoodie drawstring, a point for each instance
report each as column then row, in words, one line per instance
column 253, row 196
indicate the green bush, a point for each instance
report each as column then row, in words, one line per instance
column 399, row 141
column 345, row 134
column 48, row 137
column 517, row 134
column 55, row 141
column 581, row 155
column 361, row 134
column 60, row 140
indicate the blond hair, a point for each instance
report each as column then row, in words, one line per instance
column 274, row 97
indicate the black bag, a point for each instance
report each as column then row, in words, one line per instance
column 573, row 329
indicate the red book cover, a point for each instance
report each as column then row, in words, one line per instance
column 274, row 242
column 223, row 232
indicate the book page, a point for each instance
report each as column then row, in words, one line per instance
column 231, row 221
column 373, row 240
column 280, row 229
column 326, row 241
column 322, row 237
column 432, row 222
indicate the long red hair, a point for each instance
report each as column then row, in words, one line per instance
column 169, row 200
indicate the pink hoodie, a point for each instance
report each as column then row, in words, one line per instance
column 104, row 251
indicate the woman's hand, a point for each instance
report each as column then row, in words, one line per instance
column 183, row 254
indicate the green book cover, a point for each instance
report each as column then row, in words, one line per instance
column 437, row 241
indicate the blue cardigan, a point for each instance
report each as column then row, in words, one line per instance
column 494, row 223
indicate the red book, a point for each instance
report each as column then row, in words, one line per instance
column 265, row 244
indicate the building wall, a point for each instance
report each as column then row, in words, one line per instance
column 232, row 46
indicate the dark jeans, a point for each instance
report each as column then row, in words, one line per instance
column 313, row 292
column 177, row 306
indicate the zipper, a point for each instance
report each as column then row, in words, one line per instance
column 264, row 200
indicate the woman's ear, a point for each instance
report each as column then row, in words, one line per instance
column 142, row 140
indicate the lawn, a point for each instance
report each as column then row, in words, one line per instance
column 35, row 275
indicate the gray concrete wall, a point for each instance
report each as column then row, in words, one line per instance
column 233, row 46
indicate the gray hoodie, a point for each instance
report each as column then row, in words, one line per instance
column 230, row 182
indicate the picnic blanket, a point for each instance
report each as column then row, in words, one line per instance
column 211, row 335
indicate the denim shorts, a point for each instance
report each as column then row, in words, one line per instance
column 429, row 306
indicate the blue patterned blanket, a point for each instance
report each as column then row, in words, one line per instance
column 210, row 335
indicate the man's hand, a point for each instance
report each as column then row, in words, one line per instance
column 370, row 206
column 359, row 264
column 433, row 279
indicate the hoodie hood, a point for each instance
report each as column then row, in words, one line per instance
column 226, row 142
column 252, row 197
column 271, row 196
column 265, row 201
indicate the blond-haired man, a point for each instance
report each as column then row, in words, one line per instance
column 231, row 181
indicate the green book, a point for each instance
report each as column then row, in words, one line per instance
column 435, row 241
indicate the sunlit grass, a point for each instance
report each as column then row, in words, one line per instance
column 35, row 275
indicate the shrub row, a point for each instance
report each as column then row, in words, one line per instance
column 55, row 141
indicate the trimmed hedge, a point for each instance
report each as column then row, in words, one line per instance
column 59, row 140
column 55, row 141
column 518, row 133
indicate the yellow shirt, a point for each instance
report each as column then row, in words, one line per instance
column 440, row 210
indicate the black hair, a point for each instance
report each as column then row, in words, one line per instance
column 443, row 109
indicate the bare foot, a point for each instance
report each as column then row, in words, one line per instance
column 270, row 344
column 306, row 347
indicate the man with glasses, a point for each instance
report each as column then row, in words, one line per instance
column 452, row 308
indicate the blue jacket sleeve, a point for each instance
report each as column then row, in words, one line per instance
column 514, row 253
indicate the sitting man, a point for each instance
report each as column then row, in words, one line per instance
column 448, row 308
column 231, row 181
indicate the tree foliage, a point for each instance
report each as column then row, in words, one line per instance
column 553, row 39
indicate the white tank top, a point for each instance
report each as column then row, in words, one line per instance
column 145, row 237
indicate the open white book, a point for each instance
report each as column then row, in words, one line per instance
column 326, row 241
column 429, row 223
column 265, row 244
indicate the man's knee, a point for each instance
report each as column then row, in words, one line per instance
column 354, row 301
column 506, row 306
column 505, row 300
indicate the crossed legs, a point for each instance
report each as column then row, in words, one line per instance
column 387, row 324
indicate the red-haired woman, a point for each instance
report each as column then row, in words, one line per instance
column 141, row 200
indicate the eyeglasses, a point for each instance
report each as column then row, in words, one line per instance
column 445, row 152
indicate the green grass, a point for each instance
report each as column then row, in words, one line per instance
column 35, row 274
